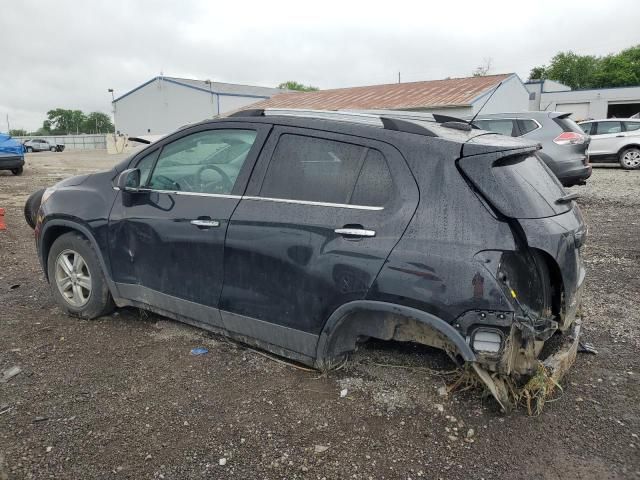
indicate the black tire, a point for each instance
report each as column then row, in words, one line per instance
column 17, row 171
column 99, row 301
column 630, row 158
column 31, row 207
column 29, row 149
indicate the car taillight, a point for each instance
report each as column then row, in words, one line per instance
column 569, row 138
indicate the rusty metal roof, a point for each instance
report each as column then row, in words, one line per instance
column 451, row 92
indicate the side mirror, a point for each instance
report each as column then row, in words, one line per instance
column 129, row 180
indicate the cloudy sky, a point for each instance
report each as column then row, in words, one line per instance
column 68, row 53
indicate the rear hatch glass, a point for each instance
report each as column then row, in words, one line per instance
column 519, row 186
column 568, row 125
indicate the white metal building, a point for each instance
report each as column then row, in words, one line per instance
column 620, row 102
column 164, row 104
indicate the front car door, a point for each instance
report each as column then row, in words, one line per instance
column 322, row 213
column 167, row 240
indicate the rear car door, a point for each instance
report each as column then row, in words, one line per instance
column 322, row 213
column 166, row 241
column 607, row 138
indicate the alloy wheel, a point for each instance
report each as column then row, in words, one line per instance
column 73, row 278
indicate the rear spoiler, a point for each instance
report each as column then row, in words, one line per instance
column 559, row 115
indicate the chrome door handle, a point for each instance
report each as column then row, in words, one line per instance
column 205, row 223
column 356, row 232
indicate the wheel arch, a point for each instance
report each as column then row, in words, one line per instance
column 55, row 228
column 386, row 321
column 627, row 147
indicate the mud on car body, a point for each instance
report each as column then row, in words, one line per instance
column 305, row 233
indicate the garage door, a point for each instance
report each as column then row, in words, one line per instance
column 579, row 111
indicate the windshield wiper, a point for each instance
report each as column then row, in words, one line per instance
column 567, row 198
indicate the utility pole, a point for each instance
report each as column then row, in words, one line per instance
column 113, row 109
column 8, row 125
column 398, row 77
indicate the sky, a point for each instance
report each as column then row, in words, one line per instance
column 67, row 54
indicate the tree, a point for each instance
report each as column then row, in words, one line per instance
column 293, row 85
column 588, row 71
column 484, row 69
column 538, row 73
column 18, row 132
column 97, row 122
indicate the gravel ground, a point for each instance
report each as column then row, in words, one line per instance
column 121, row 397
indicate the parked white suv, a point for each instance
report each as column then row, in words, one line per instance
column 614, row 139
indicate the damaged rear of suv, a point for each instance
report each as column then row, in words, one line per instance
column 305, row 233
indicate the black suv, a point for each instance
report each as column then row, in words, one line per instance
column 305, row 235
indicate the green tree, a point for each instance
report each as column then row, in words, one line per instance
column 293, row 85
column 18, row 132
column 538, row 73
column 588, row 71
column 97, row 122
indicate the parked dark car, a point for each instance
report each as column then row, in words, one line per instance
column 564, row 143
column 305, row 236
column 42, row 145
column 11, row 154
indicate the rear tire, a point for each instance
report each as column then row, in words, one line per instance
column 76, row 278
column 31, row 207
column 17, row 171
column 630, row 158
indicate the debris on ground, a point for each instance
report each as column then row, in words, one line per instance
column 9, row 373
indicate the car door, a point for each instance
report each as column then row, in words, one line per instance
column 607, row 138
column 322, row 213
column 166, row 241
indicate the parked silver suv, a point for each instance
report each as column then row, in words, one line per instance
column 42, row 145
column 614, row 139
column 564, row 144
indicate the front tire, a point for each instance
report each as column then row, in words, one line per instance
column 76, row 278
column 31, row 207
column 17, row 171
column 53, row 149
column 29, row 150
column 630, row 158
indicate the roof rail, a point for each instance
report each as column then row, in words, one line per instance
column 386, row 120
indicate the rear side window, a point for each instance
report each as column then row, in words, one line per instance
column 608, row 127
column 631, row 126
column 501, row 126
column 527, row 125
column 321, row 170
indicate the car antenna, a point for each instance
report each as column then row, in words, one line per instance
column 485, row 102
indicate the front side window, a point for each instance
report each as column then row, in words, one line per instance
column 203, row 162
column 321, row 170
column 608, row 127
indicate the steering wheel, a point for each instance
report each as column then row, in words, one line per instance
column 227, row 183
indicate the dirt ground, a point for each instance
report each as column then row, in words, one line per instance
column 121, row 397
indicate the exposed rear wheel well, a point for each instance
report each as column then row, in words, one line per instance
column 557, row 285
column 371, row 319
